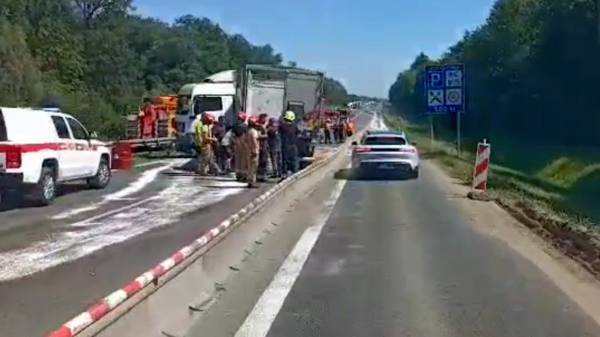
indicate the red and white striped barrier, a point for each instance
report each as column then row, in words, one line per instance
column 482, row 165
column 110, row 302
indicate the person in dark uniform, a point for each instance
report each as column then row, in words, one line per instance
column 263, row 157
column 289, row 132
column 218, row 131
column 274, row 141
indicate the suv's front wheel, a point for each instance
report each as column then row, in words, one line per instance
column 102, row 177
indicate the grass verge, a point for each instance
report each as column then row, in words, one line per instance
column 539, row 201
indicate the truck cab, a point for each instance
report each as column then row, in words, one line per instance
column 216, row 95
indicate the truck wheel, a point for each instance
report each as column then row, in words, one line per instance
column 44, row 191
column 102, row 177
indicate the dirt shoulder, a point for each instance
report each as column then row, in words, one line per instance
column 492, row 219
column 526, row 214
column 537, row 204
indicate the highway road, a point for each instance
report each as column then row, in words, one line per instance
column 57, row 261
column 389, row 258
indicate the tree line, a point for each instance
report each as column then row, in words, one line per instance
column 101, row 60
column 532, row 75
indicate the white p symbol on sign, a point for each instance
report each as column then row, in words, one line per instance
column 435, row 80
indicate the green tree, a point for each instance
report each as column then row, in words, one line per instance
column 532, row 74
column 101, row 60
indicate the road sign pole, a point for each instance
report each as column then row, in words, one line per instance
column 458, row 133
column 431, row 134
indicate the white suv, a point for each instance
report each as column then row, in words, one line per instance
column 42, row 148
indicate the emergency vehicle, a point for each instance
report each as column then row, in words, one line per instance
column 42, row 148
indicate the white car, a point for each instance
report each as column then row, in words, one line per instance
column 385, row 153
column 40, row 149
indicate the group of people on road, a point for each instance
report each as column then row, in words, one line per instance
column 254, row 147
column 336, row 130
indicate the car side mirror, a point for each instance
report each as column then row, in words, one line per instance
column 354, row 143
column 413, row 143
column 94, row 135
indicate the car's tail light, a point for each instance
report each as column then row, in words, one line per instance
column 13, row 158
column 363, row 149
column 408, row 150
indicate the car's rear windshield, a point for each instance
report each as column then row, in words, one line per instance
column 3, row 135
column 385, row 140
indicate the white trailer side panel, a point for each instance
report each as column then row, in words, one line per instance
column 265, row 96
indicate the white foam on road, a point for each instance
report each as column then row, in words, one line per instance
column 73, row 241
column 377, row 123
column 145, row 179
column 262, row 316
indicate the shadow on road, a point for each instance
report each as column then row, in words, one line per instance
column 13, row 202
column 349, row 174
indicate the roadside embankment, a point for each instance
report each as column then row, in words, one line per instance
column 553, row 201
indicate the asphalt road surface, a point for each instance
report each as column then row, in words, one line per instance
column 56, row 261
column 390, row 258
column 54, row 269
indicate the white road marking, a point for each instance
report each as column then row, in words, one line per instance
column 73, row 241
column 262, row 316
column 144, row 180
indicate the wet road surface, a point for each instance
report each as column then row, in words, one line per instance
column 56, row 261
column 391, row 258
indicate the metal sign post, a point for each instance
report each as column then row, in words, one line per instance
column 444, row 88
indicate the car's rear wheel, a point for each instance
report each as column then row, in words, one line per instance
column 363, row 173
column 415, row 173
column 44, row 191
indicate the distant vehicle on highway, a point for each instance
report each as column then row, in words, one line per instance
column 385, row 153
column 41, row 148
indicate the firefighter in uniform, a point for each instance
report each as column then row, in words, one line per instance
column 205, row 145
column 274, row 141
column 252, row 144
column 264, row 161
column 239, row 130
column 289, row 132
column 349, row 126
column 147, row 117
column 197, row 126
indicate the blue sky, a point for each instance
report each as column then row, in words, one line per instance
column 364, row 44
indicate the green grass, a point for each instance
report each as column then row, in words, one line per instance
column 561, row 188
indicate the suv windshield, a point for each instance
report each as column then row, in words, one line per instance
column 385, row 140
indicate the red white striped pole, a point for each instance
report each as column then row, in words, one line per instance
column 482, row 164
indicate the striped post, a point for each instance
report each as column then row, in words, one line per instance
column 482, row 164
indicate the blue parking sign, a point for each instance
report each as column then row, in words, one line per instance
column 445, row 89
